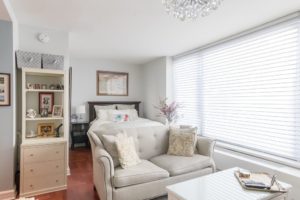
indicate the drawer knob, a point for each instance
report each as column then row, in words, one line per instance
column 31, row 155
column 57, row 152
column 56, row 181
column 57, row 166
column 31, row 185
column 31, row 170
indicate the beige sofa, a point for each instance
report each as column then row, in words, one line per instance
column 157, row 170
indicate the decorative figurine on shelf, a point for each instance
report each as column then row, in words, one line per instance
column 57, row 130
column 60, row 86
column 52, row 87
column 31, row 113
column 44, row 112
column 44, row 86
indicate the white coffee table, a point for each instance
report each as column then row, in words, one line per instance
column 219, row 186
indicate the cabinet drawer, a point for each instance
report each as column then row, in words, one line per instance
column 44, row 153
column 38, row 183
column 44, row 169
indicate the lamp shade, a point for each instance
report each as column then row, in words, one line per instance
column 80, row 109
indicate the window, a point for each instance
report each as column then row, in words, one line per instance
column 249, row 93
column 187, row 88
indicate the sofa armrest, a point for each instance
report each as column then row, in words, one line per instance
column 205, row 146
column 103, row 172
column 103, row 157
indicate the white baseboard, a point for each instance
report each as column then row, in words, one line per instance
column 8, row 195
column 68, row 171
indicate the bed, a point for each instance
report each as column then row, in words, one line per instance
column 97, row 125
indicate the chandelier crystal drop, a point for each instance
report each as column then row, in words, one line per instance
column 190, row 9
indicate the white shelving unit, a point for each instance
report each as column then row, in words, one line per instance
column 43, row 159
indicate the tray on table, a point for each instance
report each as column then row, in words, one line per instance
column 260, row 177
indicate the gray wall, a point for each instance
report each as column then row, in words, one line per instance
column 156, row 86
column 7, row 135
column 84, row 81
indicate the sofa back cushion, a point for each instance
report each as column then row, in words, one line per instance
column 150, row 141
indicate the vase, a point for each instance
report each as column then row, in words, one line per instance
column 169, row 123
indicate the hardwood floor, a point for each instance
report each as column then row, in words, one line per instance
column 80, row 182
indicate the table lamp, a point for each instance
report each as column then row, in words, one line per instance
column 80, row 110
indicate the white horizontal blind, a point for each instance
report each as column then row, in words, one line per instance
column 251, row 91
column 187, row 88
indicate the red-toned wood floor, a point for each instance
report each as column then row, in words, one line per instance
column 80, row 182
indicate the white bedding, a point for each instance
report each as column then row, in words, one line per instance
column 97, row 125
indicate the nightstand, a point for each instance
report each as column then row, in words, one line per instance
column 79, row 133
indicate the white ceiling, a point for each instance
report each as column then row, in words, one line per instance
column 136, row 31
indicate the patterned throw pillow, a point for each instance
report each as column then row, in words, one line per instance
column 120, row 118
column 182, row 142
column 126, row 149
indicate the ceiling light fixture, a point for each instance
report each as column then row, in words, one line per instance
column 190, row 9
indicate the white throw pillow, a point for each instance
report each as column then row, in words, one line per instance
column 109, row 142
column 125, row 107
column 126, row 150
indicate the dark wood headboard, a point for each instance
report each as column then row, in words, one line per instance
column 92, row 112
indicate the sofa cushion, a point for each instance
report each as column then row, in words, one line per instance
column 177, row 165
column 182, row 142
column 141, row 173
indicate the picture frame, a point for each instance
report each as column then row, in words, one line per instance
column 5, row 89
column 57, row 111
column 46, row 100
column 46, row 130
column 112, row 83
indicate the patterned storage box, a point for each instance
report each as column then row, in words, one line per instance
column 28, row 59
column 52, row 61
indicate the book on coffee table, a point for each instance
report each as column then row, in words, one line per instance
column 259, row 181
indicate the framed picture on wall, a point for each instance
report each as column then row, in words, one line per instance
column 4, row 89
column 46, row 100
column 112, row 83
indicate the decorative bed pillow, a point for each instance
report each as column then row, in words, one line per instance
column 126, row 150
column 182, row 142
column 125, row 107
column 120, row 117
column 123, row 115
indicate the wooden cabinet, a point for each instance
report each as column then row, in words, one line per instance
column 43, row 157
column 43, row 168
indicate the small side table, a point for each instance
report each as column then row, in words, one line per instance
column 79, row 133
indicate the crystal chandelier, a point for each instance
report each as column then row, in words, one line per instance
column 190, row 9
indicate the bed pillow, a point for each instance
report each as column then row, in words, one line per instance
column 108, row 107
column 182, row 142
column 126, row 150
column 123, row 115
column 125, row 107
column 103, row 115
column 102, row 112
